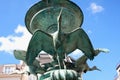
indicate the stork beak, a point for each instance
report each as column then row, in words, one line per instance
column 105, row 50
column 98, row 69
column 59, row 16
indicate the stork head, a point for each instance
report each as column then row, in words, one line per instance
column 99, row 50
column 95, row 68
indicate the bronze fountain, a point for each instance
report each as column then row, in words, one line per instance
column 56, row 29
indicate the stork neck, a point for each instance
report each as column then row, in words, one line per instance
column 59, row 21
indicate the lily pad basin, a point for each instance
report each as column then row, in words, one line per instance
column 43, row 15
column 60, row 74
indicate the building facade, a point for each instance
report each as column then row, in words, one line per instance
column 6, row 70
column 18, row 71
column 118, row 73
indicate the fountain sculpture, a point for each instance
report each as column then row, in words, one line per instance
column 56, row 29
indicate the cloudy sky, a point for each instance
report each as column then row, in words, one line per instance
column 101, row 22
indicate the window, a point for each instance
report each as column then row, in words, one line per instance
column 8, row 69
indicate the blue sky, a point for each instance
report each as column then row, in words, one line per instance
column 101, row 22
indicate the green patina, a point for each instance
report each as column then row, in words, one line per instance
column 56, row 29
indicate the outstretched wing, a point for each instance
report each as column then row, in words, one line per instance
column 39, row 41
column 83, row 42
column 20, row 54
column 86, row 45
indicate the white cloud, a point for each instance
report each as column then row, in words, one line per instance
column 12, row 42
column 95, row 8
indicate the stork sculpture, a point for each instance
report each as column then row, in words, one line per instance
column 59, row 43
column 80, row 65
column 34, row 69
